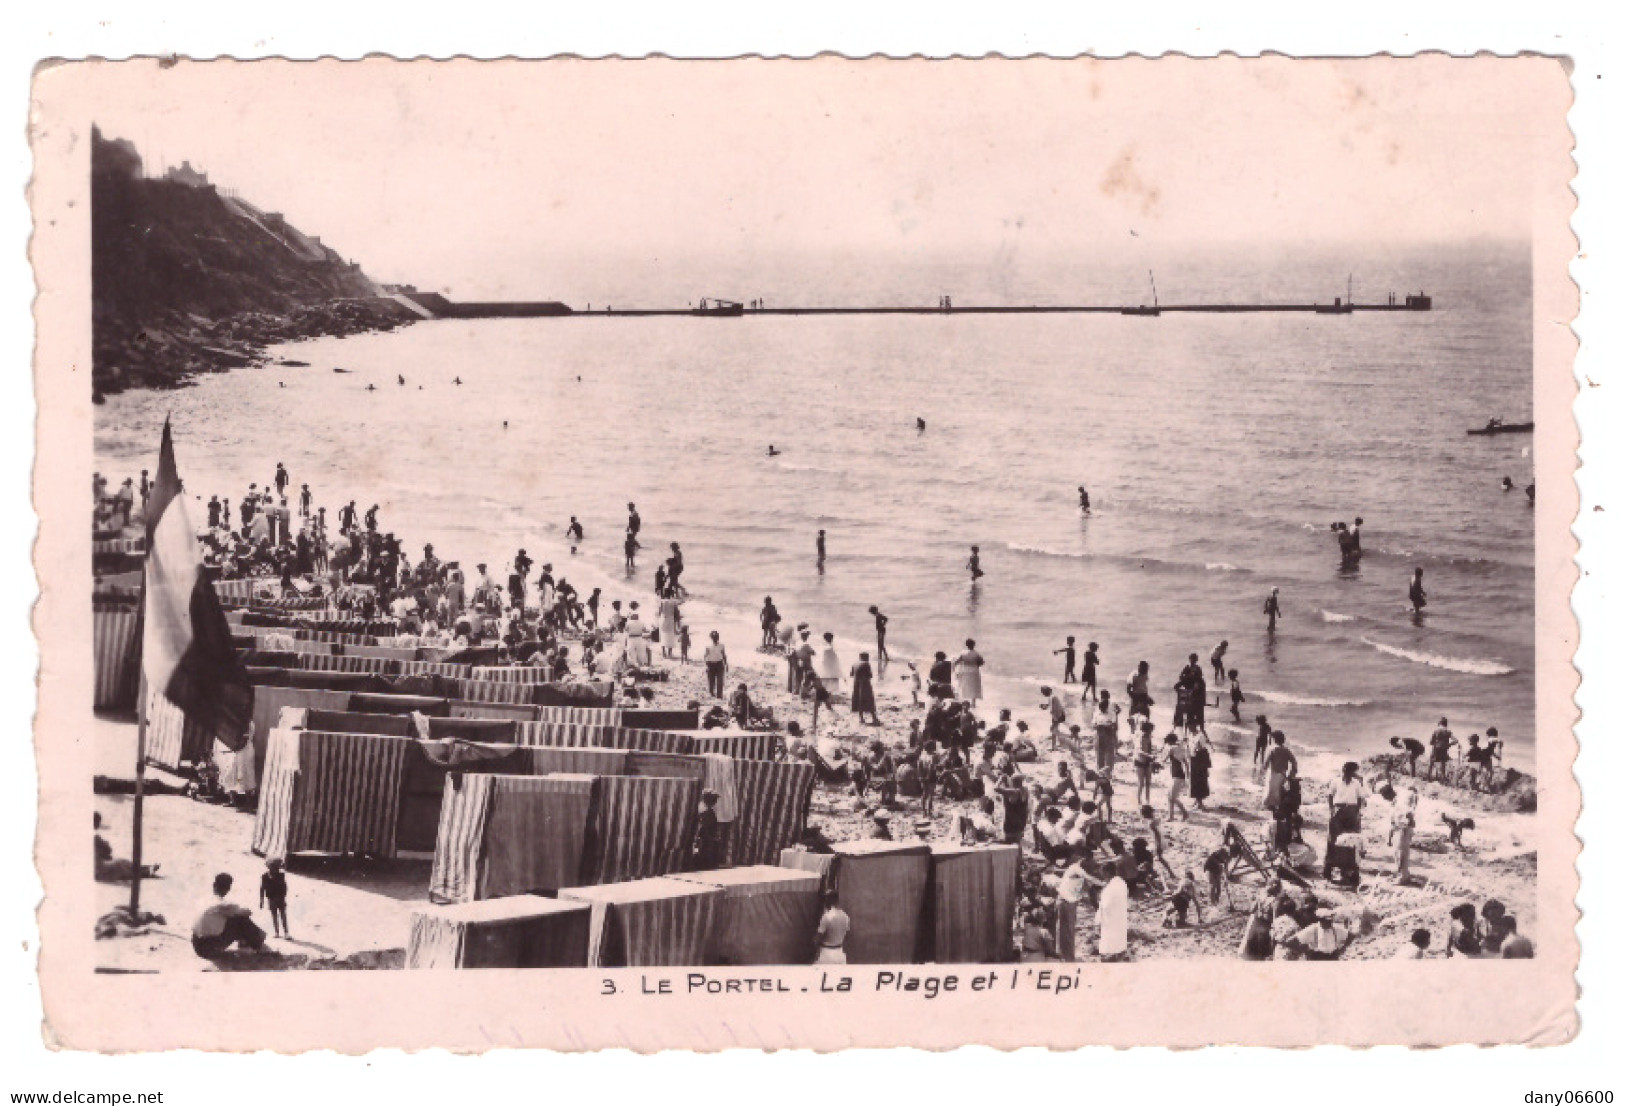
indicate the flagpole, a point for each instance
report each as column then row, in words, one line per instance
column 140, row 788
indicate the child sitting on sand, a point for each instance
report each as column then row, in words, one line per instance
column 1458, row 826
column 1182, row 902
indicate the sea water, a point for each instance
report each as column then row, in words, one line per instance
column 1216, row 449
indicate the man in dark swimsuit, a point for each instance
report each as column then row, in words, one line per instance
column 881, row 656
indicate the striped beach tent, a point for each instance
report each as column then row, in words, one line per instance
column 643, row 762
column 768, row 914
column 506, row 674
column 610, row 737
column 580, row 716
column 522, row 931
column 517, row 712
column 509, row 835
column 882, row 889
column 647, row 718
column 411, row 667
column 385, row 652
column 335, row 637
column 330, row 792
column 268, row 713
column 741, row 746
column 115, row 634
column 234, row 593
column 639, row 826
column 773, row 799
column 172, row 737
column 970, row 904
column 649, row 922
column 317, row 662
column 593, row 762
column 489, row 691
column 273, row 639
column 821, row 865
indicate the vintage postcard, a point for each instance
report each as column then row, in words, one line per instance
column 820, row 553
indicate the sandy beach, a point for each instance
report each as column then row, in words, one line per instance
column 350, row 913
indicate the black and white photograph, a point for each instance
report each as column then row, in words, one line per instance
column 827, row 526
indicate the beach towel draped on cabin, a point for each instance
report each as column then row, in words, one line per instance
column 510, row 835
column 521, row 931
column 649, row 922
column 768, row 914
column 115, row 635
column 970, row 904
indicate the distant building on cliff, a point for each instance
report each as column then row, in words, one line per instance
column 185, row 174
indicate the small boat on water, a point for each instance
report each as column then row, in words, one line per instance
column 719, row 308
column 1152, row 310
column 1496, row 426
column 337, row 370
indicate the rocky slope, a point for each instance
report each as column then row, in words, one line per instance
column 185, row 280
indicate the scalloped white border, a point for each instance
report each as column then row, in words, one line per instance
column 1564, row 504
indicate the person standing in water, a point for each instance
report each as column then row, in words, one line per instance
column 819, row 544
column 974, row 565
column 881, row 656
column 1070, row 649
column 1272, row 607
column 1419, row 595
column 574, row 533
column 1083, row 499
column 632, row 548
column 1216, row 659
column 634, row 521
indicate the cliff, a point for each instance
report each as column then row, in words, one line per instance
column 186, row 280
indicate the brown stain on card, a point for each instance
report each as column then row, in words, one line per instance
column 1123, row 181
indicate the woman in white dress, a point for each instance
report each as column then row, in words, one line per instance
column 829, row 666
column 1113, row 917
column 968, row 673
column 670, row 616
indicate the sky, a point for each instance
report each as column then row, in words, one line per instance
column 538, row 179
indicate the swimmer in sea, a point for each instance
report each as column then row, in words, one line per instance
column 401, row 380
column 1530, row 492
column 919, row 424
column 1419, row 596
column 374, row 388
column 504, row 424
column 279, row 384
column 1272, row 607
column 1506, row 483
column 772, row 450
column 975, row 564
column 1083, row 499
column 457, row 380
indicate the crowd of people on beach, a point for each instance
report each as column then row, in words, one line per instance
column 1087, row 846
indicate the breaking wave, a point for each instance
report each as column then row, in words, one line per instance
column 1472, row 666
column 1290, row 700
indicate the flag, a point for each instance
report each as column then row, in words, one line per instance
column 186, row 652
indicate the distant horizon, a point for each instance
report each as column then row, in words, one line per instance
column 498, row 180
